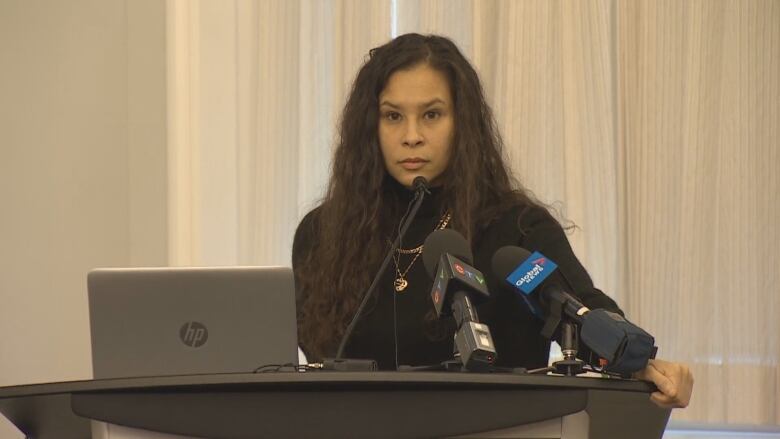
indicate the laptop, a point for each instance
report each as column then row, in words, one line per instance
column 179, row 321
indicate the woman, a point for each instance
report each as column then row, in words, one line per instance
column 417, row 109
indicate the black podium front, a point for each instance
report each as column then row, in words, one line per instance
column 337, row 405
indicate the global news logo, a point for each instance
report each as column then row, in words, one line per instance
column 536, row 270
column 531, row 272
column 194, row 334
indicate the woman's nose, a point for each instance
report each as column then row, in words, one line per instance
column 412, row 135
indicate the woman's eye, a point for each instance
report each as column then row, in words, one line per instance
column 432, row 115
column 392, row 116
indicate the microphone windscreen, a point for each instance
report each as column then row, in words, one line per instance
column 419, row 183
column 444, row 241
column 507, row 259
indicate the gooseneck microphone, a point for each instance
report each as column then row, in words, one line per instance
column 420, row 184
column 456, row 286
column 623, row 347
column 420, row 187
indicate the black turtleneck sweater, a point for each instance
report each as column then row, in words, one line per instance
column 424, row 340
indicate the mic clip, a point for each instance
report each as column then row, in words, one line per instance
column 553, row 319
column 420, row 185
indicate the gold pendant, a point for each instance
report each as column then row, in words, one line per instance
column 400, row 284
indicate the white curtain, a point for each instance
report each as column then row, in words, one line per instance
column 254, row 88
column 651, row 125
column 699, row 114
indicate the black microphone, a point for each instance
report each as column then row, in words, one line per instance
column 623, row 347
column 456, row 286
column 420, row 185
column 528, row 273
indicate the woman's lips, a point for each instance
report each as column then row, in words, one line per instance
column 413, row 164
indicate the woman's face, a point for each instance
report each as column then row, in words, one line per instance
column 416, row 124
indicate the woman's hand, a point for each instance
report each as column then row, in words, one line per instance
column 674, row 382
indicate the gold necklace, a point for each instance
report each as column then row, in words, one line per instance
column 400, row 280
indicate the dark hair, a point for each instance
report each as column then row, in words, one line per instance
column 358, row 213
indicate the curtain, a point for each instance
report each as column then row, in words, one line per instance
column 650, row 126
column 699, row 115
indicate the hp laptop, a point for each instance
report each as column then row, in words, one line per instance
column 177, row 321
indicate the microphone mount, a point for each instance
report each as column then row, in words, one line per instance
column 420, row 184
column 457, row 286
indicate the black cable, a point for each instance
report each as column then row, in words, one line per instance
column 293, row 367
column 395, row 327
column 400, row 245
column 278, row 367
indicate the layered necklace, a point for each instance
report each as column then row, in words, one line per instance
column 400, row 279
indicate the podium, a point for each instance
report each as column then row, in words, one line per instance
column 341, row 405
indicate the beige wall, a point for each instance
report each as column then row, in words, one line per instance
column 82, row 169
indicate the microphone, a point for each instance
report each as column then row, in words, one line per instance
column 526, row 272
column 420, row 185
column 623, row 347
column 456, row 285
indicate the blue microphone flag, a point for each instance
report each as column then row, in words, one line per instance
column 531, row 272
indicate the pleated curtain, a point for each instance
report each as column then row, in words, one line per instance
column 651, row 127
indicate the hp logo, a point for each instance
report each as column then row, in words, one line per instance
column 194, row 334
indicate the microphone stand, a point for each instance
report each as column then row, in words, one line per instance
column 570, row 365
column 421, row 188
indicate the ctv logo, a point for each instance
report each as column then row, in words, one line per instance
column 194, row 334
column 469, row 274
column 437, row 296
column 437, row 290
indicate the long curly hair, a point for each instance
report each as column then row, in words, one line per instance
column 359, row 213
